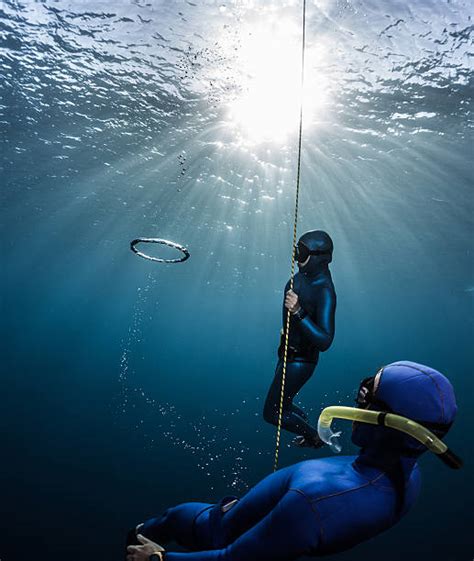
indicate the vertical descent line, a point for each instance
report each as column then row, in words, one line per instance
column 295, row 225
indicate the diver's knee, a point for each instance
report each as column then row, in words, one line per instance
column 270, row 415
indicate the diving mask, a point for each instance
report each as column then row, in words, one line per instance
column 302, row 252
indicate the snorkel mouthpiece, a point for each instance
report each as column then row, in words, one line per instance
column 390, row 420
column 325, row 432
column 450, row 459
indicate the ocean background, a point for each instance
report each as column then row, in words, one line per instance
column 128, row 386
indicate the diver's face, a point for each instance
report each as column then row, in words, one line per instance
column 368, row 386
column 367, row 390
column 304, row 263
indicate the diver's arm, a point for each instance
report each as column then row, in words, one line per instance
column 179, row 524
column 320, row 331
column 287, row 533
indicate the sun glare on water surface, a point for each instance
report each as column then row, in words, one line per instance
column 270, row 67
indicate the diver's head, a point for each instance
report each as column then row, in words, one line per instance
column 314, row 251
column 411, row 390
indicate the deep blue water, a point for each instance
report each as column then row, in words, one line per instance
column 129, row 386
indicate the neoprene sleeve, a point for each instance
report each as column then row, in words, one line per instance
column 321, row 331
column 288, row 532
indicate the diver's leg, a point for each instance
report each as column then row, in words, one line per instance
column 297, row 374
column 272, row 405
column 272, row 401
column 298, row 411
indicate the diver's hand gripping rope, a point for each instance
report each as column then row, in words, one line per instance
column 397, row 422
column 295, row 224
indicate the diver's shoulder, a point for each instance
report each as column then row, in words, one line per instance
column 324, row 476
column 324, row 281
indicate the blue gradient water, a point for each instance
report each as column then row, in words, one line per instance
column 128, row 386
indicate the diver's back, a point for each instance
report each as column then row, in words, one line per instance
column 352, row 504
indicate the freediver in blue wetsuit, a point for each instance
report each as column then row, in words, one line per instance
column 324, row 506
column 312, row 305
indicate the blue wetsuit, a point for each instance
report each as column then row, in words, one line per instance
column 320, row 507
column 311, row 332
column 314, row 508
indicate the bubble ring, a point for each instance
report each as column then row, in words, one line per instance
column 174, row 245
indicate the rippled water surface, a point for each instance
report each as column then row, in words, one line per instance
column 129, row 385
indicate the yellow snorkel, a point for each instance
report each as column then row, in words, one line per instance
column 402, row 424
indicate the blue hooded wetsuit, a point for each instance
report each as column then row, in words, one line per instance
column 323, row 506
column 311, row 332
